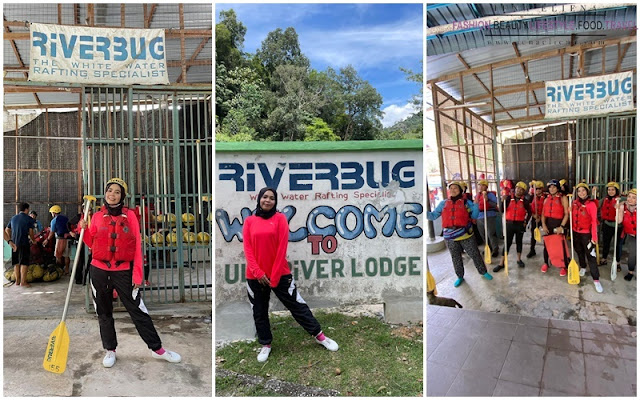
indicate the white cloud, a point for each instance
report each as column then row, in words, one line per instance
column 395, row 113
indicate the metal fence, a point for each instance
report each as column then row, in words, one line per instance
column 606, row 151
column 160, row 141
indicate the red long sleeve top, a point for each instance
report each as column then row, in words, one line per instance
column 265, row 247
column 592, row 212
column 101, row 219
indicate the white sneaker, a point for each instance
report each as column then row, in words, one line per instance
column 583, row 271
column 598, row 286
column 264, row 354
column 168, row 355
column 109, row 359
column 328, row 343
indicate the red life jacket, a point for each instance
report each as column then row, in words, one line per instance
column 114, row 240
column 608, row 210
column 539, row 203
column 516, row 210
column 552, row 207
column 455, row 214
column 581, row 220
column 480, row 201
column 629, row 221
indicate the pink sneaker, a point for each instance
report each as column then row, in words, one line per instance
column 544, row 268
column 563, row 272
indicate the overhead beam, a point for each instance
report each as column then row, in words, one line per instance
column 149, row 17
column 193, row 57
column 183, row 55
column 168, row 33
column 621, row 55
column 537, row 56
column 19, row 58
column 516, row 108
column 525, row 70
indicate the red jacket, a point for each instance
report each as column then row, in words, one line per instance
column 102, row 225
column 455, row 214
column 265, row 247
column 608, row 210
column 629, row 222
column 516, row 210
column 538, row 201
column 585, row 218
column 552, row 207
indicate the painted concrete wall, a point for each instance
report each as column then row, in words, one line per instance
column 355, row 217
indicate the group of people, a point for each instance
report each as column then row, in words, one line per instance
column 554, row 212
column 113, row 235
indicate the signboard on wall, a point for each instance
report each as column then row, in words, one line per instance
column 589, row 96
column 355, row 221
column 77, row 54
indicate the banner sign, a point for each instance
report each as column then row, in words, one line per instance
column 589, row 96
column 355, row 227
column 77, row 54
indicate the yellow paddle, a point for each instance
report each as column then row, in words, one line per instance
column 55, row 357
column 573, row 275
column 536, row 232
column 504, row 234
column 487, row 249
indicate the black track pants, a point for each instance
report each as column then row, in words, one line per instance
column 102, row 284
column 517, row 229
column 607, row 236
column 287, row 293
column 580, row 242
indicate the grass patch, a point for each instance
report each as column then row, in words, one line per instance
column 374, row 359
column 229, row 386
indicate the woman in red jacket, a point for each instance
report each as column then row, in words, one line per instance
column 114, row 240
column 265, row 236
column 584, row 214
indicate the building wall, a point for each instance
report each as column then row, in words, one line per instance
column 339, row 253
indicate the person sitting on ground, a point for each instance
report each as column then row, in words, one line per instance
column 17, row 234
column 584, row 214
column 487, row 216
column 517, row 215
column 627, row 215
column 608, row 216
column 555, row 217
column 457, row 215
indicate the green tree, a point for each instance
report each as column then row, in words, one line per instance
column 281, row 48
column 319, row 131
column 415, row 77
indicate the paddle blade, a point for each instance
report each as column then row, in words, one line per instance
column 573, row 275
column 598, row 253
column 506, row 264
column 536, row 235
column 614, row 268
column 487, row 254
column 55, row 357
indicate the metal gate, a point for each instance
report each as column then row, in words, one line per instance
column 605, row 149
column 160, row 142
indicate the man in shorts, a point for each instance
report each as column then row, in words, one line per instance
column 60, row 227
column 17, row 234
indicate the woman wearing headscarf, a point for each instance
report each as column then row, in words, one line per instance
column 584, row 214
column 116, row 248
column 457, row 215
column 627, row 215
column 608, row 216
column 266, row 236
column 517, row 215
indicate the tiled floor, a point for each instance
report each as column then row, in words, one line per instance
column 476, row 353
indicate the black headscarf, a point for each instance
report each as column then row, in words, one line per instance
column 115, row 210
column 266, row 214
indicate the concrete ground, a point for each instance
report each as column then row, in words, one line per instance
column 528, row 292
column 31, row 314
column 478, row 353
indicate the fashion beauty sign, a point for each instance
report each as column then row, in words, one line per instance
column 87, row 55
column 355, row 218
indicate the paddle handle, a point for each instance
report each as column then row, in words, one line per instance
column 571, row 222
column 76, row 259
column 486, row 238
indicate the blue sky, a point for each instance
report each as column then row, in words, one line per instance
column 377, row 39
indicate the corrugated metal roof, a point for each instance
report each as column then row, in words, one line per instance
column 166, row 16
column 475, row 52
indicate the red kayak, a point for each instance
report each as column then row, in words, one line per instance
column 556, row 245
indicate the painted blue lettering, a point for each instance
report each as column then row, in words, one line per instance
column 356, row 175
column 230, row 229
column 294, row 178
column 371, row 175
column 627, row 85
column 85, row 49
column 397, row 169
column 341, row 222
column 236, row 176
column 272, row 181
column 567, row 90
column 120, row 49
column 143, row 50
column 613, row 91
column 312, row 225
column 39, row 40
column 301, row 233
column 330, row 176
column 103, row 46
column 601, row 89
column 578, row 91
column 388, row 227
column 67, row 47
column 406, row 224
column 589, row 87
column 551, row 92
column 156, row 48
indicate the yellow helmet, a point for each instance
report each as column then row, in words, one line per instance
column 582, row 184
column 55, row 209
column 119, row 182
column 633, row 191
column 461, row 184
column 521, row 185
column 483, row 182
column 613, row 184
column 562, row 182
column 539, row 184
